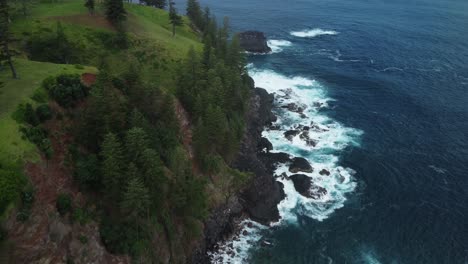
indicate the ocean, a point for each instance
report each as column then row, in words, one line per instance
column 384, row 88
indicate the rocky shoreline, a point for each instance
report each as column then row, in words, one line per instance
column 260, row 198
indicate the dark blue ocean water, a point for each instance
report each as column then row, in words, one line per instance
column 398, row 71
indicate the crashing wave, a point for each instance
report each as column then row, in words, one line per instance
column 278, row 45
column 313, row 33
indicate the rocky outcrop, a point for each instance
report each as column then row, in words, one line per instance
column 260, row 198
column 304, row 185
column 254, row 41
column 300, row 164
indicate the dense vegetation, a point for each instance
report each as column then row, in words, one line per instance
column 126, row 146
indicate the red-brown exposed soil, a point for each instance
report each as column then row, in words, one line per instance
column 88, row 79
column 94, row 21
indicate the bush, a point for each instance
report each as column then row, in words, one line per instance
column 27, row 199
column 11, row 183
column 25, row 113
column 87, row 171
column 43, row 112
column 3, row 233
column 118, row 237
column 38, row 136
column 66, row 89
column 81, row 215
column 64, row 203
column 40, row 96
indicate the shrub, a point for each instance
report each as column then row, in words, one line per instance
column 118, row 237
column 43, row 112
column 87, row 171
column 40, row 95
column 66, row 89
column 64, row 203
column 38, row 136
column 3, row 233
column 27, row 199
column 25, row 113
column 11, row 183
column 83, row 239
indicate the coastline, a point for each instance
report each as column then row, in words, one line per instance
column 257, row 201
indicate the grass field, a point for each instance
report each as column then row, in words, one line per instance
column 16, row 91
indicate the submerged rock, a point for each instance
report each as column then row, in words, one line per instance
column 254, row 41
column 300, row 164
column 324, row 172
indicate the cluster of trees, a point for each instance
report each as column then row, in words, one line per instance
column 128, row 148
column 214, row 87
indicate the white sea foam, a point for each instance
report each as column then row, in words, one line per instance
column 278, row 45
column 329, row 136
column 313, row 33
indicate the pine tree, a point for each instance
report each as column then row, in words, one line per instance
column 6, row 53
column 62, row 44
column 174, row 18
column 136, row 202
column 136, row 141
column 113, row 166
column 160, row 4
column 195, row 14
column 90, row 5
column 115, row 12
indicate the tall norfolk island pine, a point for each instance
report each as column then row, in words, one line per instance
column 175, row 19
column 6, row 53
column 115, row 11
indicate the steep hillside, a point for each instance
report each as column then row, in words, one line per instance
column 123, row 158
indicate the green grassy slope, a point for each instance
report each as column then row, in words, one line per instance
column 146, row 23
column 16, row 91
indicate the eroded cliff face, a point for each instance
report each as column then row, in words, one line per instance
column 259, row 199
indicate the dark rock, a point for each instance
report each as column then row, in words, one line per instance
column 271, row 160
column 274, row 127
column 264, row 145
column 303, row 185
column 324, row 172
column 305, row 136
column 254, row 41
column 317, row 104
column 290, row 134
column 262, row 195
column 317, row 192
column 293, row 108
column 300, row 164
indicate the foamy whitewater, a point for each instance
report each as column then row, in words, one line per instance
column 278, row 45
column 329, row 138
column 313, row 33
